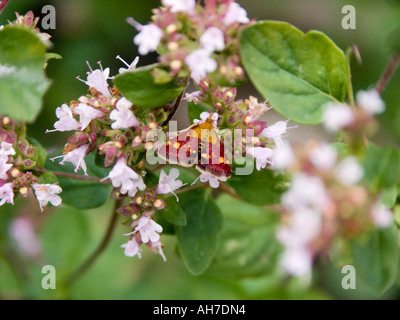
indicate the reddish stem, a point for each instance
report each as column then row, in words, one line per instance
column 3, row 4
column 388, row 73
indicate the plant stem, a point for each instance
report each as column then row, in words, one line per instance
column 74, row 176
column 3, row 4
column 388, row 73
column 227, row 190
column 84, row 267
column 193, row 187
column 160, row 166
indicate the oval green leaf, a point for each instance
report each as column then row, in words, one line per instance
column 198, row 239
column 22, row 79
column 139, row 87
column 260, row 188
column 297, row 73
column 376, row 259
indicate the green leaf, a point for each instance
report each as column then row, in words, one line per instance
column 24, row 83
column 376, row 259
column 47, row 177
column 248, row 245
column 173, row 213
column 260, row 188
column 64, row 237
column 194, row 111
column 82, row 194
column 298, row 73
column 198, row 239
column 382, row 167
column 139, row 87
column 394, row 40
column 389, row 196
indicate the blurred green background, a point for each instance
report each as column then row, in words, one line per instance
column 96, row 31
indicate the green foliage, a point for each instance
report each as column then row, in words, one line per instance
column 62, row 249
column 260, row 188
column 194, row 111
column 382, row 167
column 298, row 73
column 23, row 87
column 40, row 150
column 173, row 213
column 199, row 237
column 376, row 258
column 138, row 86
column 248, row 246
column 82, row 194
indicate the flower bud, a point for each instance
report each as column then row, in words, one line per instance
column 23, row 191
column 15, row 172
column 159, row 204
column 136, row 141
column 172, row 46
column 6, row 121
column 28, row 164
column 171, row 28
column 138, row 200
column 175, row 65
column 153, row 125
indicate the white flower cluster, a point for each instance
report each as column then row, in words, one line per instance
column 313, row 207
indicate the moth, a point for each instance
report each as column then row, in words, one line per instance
column 197, row 145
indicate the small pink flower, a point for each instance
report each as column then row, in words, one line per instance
column 98, row 79
column 131, row 66
column 132, row 248
column 211, row 179
column 66, row 120
column 6, row 149
column 123, row 115
column 87, row 114
column 349, row 172
column 256, row 109
column 157, row 248
column 381, row 216
column 297, row 261
column 76, row 157
column 283, row 157
column 235, row 14
column 262, row 156
column 204, row 116
column 125, row 177
column 200, row 63
column 276, row 132
column 323, row 157
column 148, row 229
column 306, row 191
column 22, row 231
column 193, row 96
column 168, row 183
column 370, row 101
column 6, row 194
column 213, row 39
column 337, row 116
column 4, row 166
column 46, row 193
column 187, row 6
column 148, row 38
